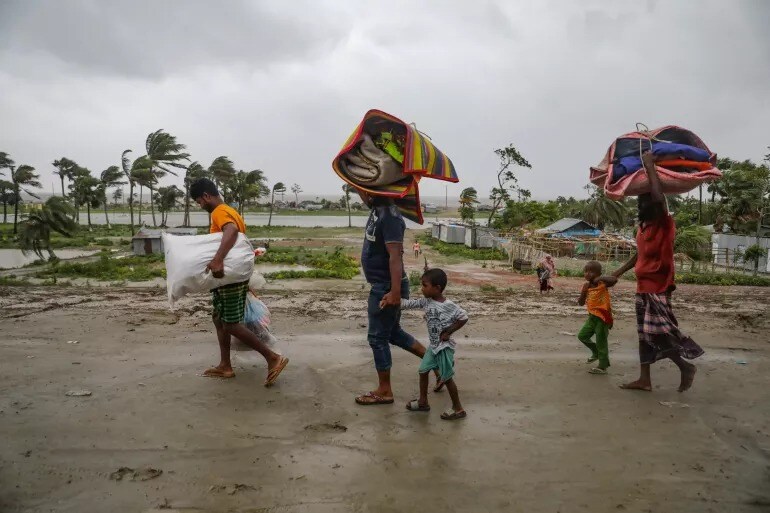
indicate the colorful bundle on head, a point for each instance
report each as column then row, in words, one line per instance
column 386, row 157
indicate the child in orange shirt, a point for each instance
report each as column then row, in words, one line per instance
column 596, row 297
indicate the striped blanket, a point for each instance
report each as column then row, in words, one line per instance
column 421, row 159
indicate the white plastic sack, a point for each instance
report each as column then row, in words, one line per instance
column 188, row 255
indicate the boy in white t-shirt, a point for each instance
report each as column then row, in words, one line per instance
column 443, row 318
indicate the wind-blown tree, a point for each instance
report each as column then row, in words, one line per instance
column 222, row 172
column 247, row 186
column 6, row 197
column 166, row 198
column 126, row 167
column 165, row 154
column 506, row 179
column 141, row 175
column 347, row 189
column 468, row 201
column 117, row 195
column 23, row 178
column 35, row 234
column 279, row 188
column 296, row 189
column 692, row 240
column 85, row 191
column 194, row 172
column 110, row 177
column 65, row 168
column 601, row 210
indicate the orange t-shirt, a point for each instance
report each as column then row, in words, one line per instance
column 224, row 214
column 598, row 303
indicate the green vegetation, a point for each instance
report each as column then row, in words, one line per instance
column 723, row 279
column 461, row 250
column 13, row 281
column 81, row 237
column 325, row 264
column 108, row 268
column 488, row 288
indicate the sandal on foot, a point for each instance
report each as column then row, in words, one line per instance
column 453, row 415
column 215, row 372
column 414, row 405
column 592, row 359
column 272, row 376
column 370, row 398
column 598, row 370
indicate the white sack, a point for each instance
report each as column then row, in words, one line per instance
column 188, row 255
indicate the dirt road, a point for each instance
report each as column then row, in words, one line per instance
column 542, row 434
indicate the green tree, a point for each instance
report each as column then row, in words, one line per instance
column 65, row 168
column 506, row 179
column 6, row 196
column 84, row 190
column 279, row 188
column 468, row 201
column 35, row 234
column 347, row 189
column 166, row 198
column 296, row 189
column 247, row 186
column 601, row 210
column 127, row 168
column 753, row 254
column 165, row 155
column 141, row 175
column 692, row 240
column 222, row 171
column 117, row 195
column 23, row 178
column 110, row 177
column 744, row 191
column 194, row 172
column 520, row 213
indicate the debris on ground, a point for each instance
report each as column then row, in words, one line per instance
column 231, row 489
column 336, row 426
column 130, row 474
column 79, row 393
column 674, row 404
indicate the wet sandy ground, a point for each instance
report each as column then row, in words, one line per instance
column 542, row 434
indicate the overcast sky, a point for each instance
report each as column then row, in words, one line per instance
column 279, row 85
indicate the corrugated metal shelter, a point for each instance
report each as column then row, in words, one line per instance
column 727, row 249
column 148, row 241
column 569, row 227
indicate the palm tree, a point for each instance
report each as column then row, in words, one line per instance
column 6, row 196
column 141, row 175
column 246, row 186
column 23, row 179
column 164, row 153
column 296, row 189
column 279, row 188
column 194, row 172
column 85, row 191
column 35, row 234
column 131, row 183
column 222, row 172
column 166, row 198
column 117, row 195
column 347, row 189
column 65, row 169
column 468, row 199
column 601, row 210
column 110, row 177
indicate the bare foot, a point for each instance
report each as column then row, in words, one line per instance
column 219, row 372
column 637, row 385
column 688, row 376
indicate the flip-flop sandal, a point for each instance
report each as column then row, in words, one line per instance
column 370, row 399
column 213, row 372
column 272, row 376
column 414, row 405
column 439, row 385
column 597, row 370
column 453, row 415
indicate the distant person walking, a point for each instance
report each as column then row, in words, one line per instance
column 653, row 264
column 416, row 249
column 546, row 269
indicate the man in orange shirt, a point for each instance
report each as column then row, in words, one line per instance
column 229, row 301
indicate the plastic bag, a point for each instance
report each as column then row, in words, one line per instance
column 256, row 311
column 188, row 255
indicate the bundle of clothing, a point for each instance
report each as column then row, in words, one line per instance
column 386, row 157
column 683, row 162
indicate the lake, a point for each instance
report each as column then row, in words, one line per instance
column 14, row 258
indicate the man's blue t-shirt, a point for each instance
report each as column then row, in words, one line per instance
column 385, row 225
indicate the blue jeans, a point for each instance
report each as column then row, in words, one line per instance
column 385, row 325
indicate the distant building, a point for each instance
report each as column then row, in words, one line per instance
column 148, row 241
column 429, row 208
column 569, row 227
column 727, row 249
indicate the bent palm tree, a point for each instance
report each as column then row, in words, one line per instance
column 246, row 186
column 85, row 191
column 141, row 175
column 124, row 164
column 279, row 188
column 23, row 179
column 194, row 172
column 347, row 189
column 166, row 198
column 65, row 168
column 601, row 210
column 222, row 172
column 110, row 177
column 6, row 196
column 35, row 234
column 164, row 153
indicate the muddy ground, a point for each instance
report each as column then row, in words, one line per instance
column 542, row 434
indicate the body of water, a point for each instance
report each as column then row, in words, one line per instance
column 14, row 258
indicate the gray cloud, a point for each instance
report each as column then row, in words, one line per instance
column 279, row 85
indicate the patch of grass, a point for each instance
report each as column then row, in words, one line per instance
column 415, row 279
column 13, row 281
column 107, row 268
column 300, row 232
column 82, row 238
column 461, row 250
column 488, row 288
column 325, row 264
column 723, row 279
